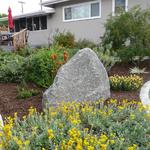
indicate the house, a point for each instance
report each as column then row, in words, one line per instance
column 84, row 18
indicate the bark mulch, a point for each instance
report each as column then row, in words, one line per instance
column 10, row 104
column 124, row 69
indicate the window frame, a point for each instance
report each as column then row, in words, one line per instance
column 82, row 4
column 113, row 7
column 32, row 22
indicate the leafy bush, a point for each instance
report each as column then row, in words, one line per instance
column 11, row 67
column 133, row 53
column 42, row 66
column 65, row 39
column 84, row 43
column 108, row 58
column 129, row 31
column 27, row 51
column 125, row 83
column 91, row 126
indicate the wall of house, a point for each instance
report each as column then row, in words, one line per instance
column 39, row 38
column 142, row 3
column 91, row 29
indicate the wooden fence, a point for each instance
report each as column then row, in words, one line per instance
column 20, row 39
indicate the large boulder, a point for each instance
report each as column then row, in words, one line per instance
column 82, row 78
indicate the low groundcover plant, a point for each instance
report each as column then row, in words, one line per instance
column 80, row 126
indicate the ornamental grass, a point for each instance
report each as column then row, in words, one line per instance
column 80, row 126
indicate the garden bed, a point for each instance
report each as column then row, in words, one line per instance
column 9, row 104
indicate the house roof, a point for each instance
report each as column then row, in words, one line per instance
column 52, row 2
column 37, row 13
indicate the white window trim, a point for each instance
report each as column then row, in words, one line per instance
column 113, row 6
column 80, row 4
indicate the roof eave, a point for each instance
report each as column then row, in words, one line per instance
column 51, row 11
column 50, row 3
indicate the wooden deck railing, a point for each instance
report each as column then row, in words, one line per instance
column 20, row 39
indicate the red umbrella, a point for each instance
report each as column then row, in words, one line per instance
column 10, row 19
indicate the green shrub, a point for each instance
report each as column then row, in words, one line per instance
column 11, row 67
column 133, row 54
column 125, row 83
column 65, row 39
column 75, row 126
column 84, row 43
column 129, row 33
column 42, row 66
column 27, row 51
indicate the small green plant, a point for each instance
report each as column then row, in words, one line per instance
column 65, row 39
column 24, row 92
column 137, row 70
column 125, row 83
column 84, row 43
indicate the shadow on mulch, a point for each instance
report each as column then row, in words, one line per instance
column 9, row 104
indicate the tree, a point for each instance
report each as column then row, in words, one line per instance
column 3, row 24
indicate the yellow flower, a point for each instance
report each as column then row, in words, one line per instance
column 103, row 138
column 32, row 111
column 27, row 142
column 7, row 131
column 70, row 142
column 85, row 143
column 134, row 147
column 50, row 134
column 74, row 133
column 132, row 116
column 112, row 142
column 103, row 147
column 18, row 142
column 79, row 147
column 90, row 148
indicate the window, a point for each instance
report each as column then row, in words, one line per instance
column 32, row 23
column 83, row 11
column 29, row 24
column 36, row 23
column 43, row 22
column 17, row 26
column 22, row 22
column 119, row 5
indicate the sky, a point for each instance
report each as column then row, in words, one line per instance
column 30, row 6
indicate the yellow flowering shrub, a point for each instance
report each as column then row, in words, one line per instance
column 125, row 83
column 80, row 126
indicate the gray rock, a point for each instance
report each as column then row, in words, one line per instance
column 82, row 78
column 145, row 93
